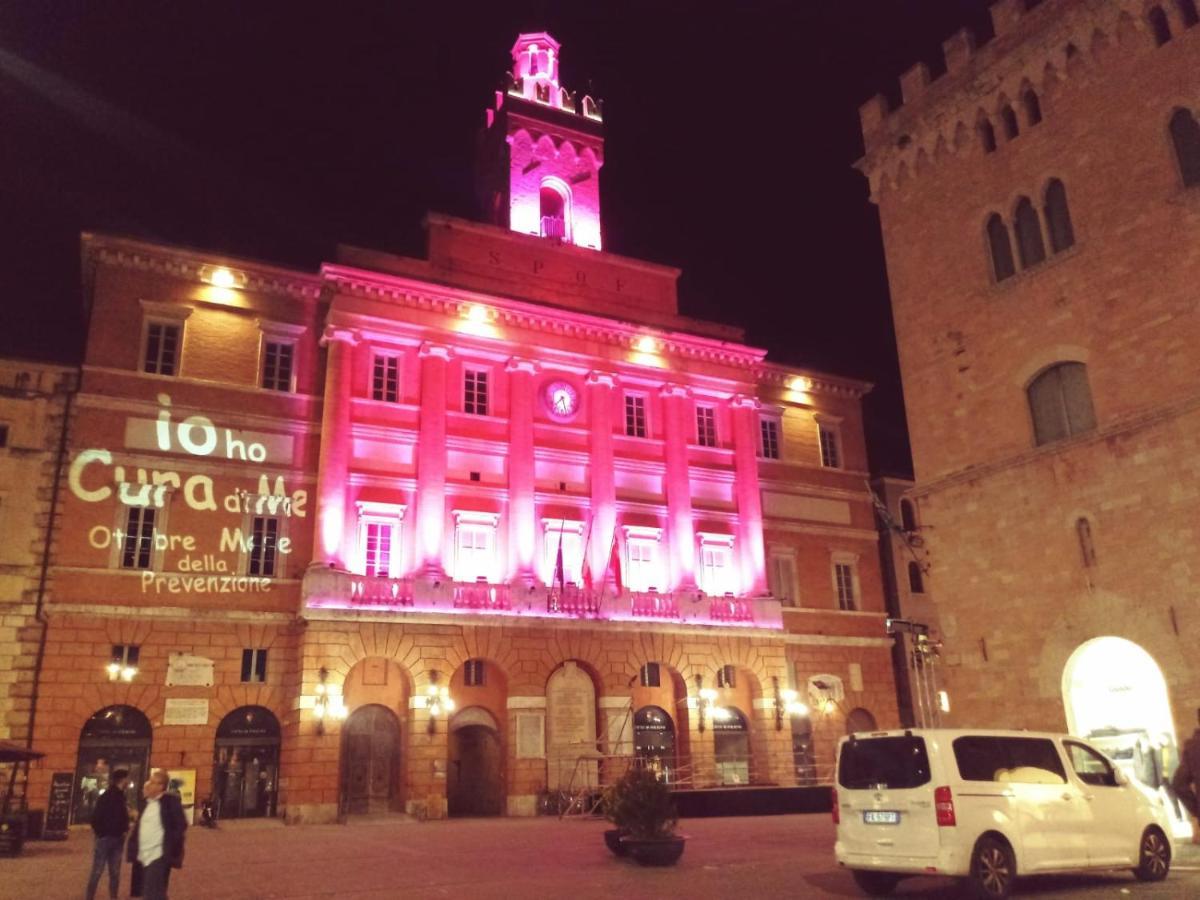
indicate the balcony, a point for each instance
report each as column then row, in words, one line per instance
column 336, row 590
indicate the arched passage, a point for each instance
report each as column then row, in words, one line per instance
column 371, row 761
column 475, row 776
column 1115, row 695
column 246, row 763
column 654, row 739
column 115, row 737
column 731, row 746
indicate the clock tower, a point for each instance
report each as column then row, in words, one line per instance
column 542, row 150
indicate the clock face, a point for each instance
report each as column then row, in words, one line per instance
column 562, row 400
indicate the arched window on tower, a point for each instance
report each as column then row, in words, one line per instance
column 1030, row 248
column 1159, row 26
column 1033, row 106
column 1060, row 403
column 1058, row 217
column 1185, row 135
column 1187, row 12
column 1009, row 120
column 916, row 581
column 555, row 218
column 908, row 516
column 1087, row 549
column 1000, row 247
column 987, row 136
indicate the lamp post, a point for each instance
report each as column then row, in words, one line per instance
column 706, row 697
column 787, row 703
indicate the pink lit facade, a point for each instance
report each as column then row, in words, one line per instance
column 362, row 480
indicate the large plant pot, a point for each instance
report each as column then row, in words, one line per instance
column 655, row 851
column 612, row 840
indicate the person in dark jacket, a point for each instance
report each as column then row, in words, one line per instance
column 1186, row 781
column 110, row 821
column 156, row 844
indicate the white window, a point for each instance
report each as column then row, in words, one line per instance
column 379, row 539
column 474, row 546
column 161, row 346
column 768, row 447
column 568, row 535
column 831, row 450
column 845, row 581
column 635, row 415
column 475, row 391
column 643, row 569
column 137, row 542
column 781, row 577
column 717, row 574
column 265, row 532
column 385, row 378
column 706, row 426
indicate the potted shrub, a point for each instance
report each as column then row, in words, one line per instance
column 641, row 808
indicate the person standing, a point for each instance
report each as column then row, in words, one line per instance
column 156, row 845
column 110, row 822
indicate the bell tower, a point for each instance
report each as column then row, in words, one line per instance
column 543, row 145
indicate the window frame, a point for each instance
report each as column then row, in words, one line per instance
column 639, row 415
column 770, row 422
column 378, row 390
column 1026, row 249
column 149, row 322
column 645, row 569
column 1040, row 438
column 384, row 515
column 724, row 546
column 475, row 522
column 572, row 554
column 991, row 240
column 786, row 558
column 474, row 672
column 834, row 431
column 706, row 431
column 476, row 384
column 153, row 556
column 281, row 333
column 1186, row 155
column 254, row 666
column 848, row 561
column 1056, row 211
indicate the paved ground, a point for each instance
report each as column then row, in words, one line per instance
column 746, row 858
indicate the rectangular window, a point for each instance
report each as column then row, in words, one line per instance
column 474, row 553
column 385, row 379
column 641, row 555
column 781, row 574
column 3, row 436
column 569, row 536
column 278, row 360
column 843, row 574
column 831, row 455
column 137, row 551
column 635, row 415
column 716, row 567
column 162, row 348
column 1009, row 759
column 770, row 438
column 473, row 670
column 650, row 675
column 123, row 663
column 254, row 665
column 706, row 426
column 264, row 546
column 727, row 677
column 475, row 392
column 377, row 549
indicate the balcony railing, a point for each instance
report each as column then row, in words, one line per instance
column 334, row 589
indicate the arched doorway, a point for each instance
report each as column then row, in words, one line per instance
column 731, row 746
column 803, row 756
column 246, row 763
column 860, row 719
column 116, row 737
column 1115, row 695
column 654, row 740
column 475, row 779
column 371, row 761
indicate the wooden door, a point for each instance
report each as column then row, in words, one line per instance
column 371, row 760
column 476, row 785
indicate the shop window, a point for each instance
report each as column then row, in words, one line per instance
column 475, row 392
column 161, row 348
column 385, row 379
column 706, row 426
column 254, row 665
column 768, row 447
column 1060, row 402
column 635, row 415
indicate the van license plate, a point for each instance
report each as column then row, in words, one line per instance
column 881, row 817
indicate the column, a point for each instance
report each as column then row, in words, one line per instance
column 752, row 557
column 522, row 524
column 334, row 466
column 604, row 489
column 681, row 531
column 431, row 460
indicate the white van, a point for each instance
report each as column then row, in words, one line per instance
column 986, row 806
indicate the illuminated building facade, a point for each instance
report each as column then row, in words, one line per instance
column 445, row 535
column 1040, row 206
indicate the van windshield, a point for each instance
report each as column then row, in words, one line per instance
column 883, row 762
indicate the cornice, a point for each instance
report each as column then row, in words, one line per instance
column 775, row 375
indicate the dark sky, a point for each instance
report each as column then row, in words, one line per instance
column 276, row 130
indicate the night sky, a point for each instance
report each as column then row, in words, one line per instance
column 277, row 130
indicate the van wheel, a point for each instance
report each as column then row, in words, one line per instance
column 875, row 884
column 993, row 870
column 1154, row 856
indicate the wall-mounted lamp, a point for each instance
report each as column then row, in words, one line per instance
column 123, row 665
column 437, row 699
column 706, row 698
column 787, row 703
column 223, row 277
column 326, row 706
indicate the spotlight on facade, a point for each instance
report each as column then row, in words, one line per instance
column 437, row 700
column 944, row 701
column 477, row 314
column 326, row 706
column 645, row 344
column 223, row 277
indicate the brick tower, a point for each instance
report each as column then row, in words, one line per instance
column 542, row 151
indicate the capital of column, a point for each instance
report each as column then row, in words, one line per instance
column 441, row 351
column 604, row 378
column 744, row 401
column 338, row 334
column 517, row 364
column 674, row 390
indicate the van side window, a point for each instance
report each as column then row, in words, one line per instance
column 1009, row 759
column 1090, row 766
